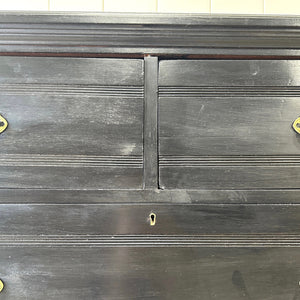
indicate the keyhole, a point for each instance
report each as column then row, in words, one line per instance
column 298, row 125
column 152, row 218
column 1, row 124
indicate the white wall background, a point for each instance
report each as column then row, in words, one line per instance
column 178, row 6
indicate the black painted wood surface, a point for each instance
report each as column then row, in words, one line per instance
column 73, row 123
column 228, row 124
column 114, row 118
column 151, row 273
column 142, row 33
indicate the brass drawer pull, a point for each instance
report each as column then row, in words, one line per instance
column 3, row 124
column 1, row 285
column 296, row 125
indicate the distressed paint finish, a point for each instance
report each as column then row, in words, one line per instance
column 139, row 33
column 143, row 273
column 74, row 123
column 227, row 124
column 150, row 123
column 101, row 136
column 92, row 222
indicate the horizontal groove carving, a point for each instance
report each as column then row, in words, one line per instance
column 229, row 91
column 179, row 32
column 73, row 89
column 244, row 240
column 198, row 161
column 125, row 34
column 70, row 161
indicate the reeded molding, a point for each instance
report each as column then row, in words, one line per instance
column 139, row 34
column 153, row 241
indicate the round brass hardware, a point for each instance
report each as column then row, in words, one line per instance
column 1, row 285
column 3, row 124
column 296, row 125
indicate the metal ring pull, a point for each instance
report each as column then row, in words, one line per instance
column 3, row 124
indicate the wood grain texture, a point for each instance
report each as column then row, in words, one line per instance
column 72, row 123
column 229, row 73
column 151, row 123
column 149, row 196
column 61, row 71
column 110, row 219
column 71, row 177
column 67, row 125
column 79, row 250
column 231, row 177
column 143, row 273
column 227, row 124
column 127, row 225
column 78, row 162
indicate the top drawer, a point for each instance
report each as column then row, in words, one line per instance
column 73, row 122
column 228, row 124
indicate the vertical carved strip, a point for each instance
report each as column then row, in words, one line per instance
column 150, row 123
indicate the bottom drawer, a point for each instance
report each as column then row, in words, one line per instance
column 150, row 273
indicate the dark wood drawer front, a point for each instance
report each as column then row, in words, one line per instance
column 149, row 273
column 89, row 250
column 218, row 225
column 73, row 122
column 228, row 124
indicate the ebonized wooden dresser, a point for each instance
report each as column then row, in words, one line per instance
column 149, row 157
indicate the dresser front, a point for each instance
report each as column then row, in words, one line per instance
column 149, row 157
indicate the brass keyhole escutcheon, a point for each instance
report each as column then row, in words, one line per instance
column 1, row 285
column 3, row 124
column 152, row 218
column 296, row 125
